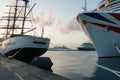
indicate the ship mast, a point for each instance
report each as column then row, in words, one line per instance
column 24, row 17
column 42, row 32
column 8, row 24
column 15, row 17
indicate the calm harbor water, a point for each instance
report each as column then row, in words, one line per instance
column 84, row 65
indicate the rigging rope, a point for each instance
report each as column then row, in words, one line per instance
column 31, row 20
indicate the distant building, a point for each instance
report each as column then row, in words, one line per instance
column 60, row 48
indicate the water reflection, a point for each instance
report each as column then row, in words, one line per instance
column 75, row 65
column 84, row 65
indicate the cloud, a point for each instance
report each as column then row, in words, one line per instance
column 44, row 18
column 69, row 26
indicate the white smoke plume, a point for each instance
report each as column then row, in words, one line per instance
column 44, row 18
column 69, row 26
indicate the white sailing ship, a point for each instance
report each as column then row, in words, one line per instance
column 20, row 46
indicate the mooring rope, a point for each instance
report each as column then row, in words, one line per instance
column 117, row 73
column 15, row 53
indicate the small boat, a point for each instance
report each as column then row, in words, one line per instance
column 86, row 47
column 15, row 43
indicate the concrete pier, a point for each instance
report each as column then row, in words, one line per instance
column 11, row 69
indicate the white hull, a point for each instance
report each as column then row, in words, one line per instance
column 16, row 44
column 103, row 29
column 29, row 45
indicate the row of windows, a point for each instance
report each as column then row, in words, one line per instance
column 107, row 3
column 38, row 42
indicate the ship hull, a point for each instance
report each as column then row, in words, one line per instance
column 24, row 48
column 103, row 29
column 26, row 54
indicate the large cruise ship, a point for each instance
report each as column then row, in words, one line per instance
column 102, row 26
column 86, row 47
column 15, row 43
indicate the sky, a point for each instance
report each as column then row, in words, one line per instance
column 58, row 17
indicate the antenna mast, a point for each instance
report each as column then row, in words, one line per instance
column 85, row 6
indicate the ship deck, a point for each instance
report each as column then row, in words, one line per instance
column 11, row 69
